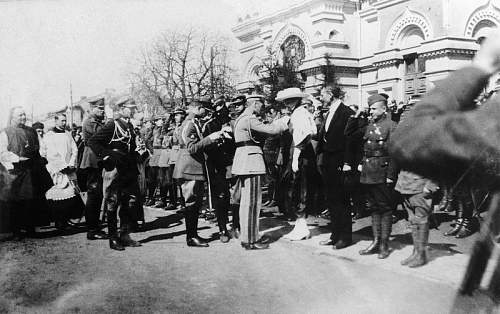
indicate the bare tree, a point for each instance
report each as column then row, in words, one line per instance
column 181, row 65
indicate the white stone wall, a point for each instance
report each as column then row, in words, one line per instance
column 373, row 41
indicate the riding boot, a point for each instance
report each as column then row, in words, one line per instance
column 459, row 205
column 467, row 228
column 373, row 248
column 421, row 245
column 125, row 238
column 114, row 241
column 386, row 232
column 407, row 260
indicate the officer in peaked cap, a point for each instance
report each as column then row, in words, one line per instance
column 115, row 145
column 248, row 167
column 97, row 103
column 90, row 166
column 239, row 103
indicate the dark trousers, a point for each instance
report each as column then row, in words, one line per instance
column 380, row 198
column 219, row 194
column 94, row 197
column 298, row 187
column 193, row 192
column 340, row 216
column 354, row 191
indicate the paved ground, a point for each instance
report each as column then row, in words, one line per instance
column 71, row 275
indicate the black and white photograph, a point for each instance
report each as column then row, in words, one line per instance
column 249, row 156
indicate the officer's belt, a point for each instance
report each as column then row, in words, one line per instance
column 246, row 143
column 376, row 153
column 157, row 147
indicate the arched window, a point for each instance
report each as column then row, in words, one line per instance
column 293, row 51
column 482, row 30
column 411, row 36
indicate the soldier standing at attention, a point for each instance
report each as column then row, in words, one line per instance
column 189, row 169
column 248, row 166
column 115, row 145
column 378, row 175
column 93, row 172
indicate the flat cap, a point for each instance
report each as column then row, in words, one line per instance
column 376, row 98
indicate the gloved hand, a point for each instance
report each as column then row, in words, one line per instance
column 346, row 167
column 215, row 136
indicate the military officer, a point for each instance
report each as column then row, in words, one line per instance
column 115, row 145
column 89, row 164
column 218, row 158
column 248, row 167
column 378, row 174
column 174, row 139
column 189, row 168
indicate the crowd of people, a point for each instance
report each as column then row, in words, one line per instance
column 315, row 156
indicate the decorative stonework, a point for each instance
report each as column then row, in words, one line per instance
column 252, row 68
column 287, row 31
column 386, row 63
column 447, row 52
column 408, row 18
column 488, row 13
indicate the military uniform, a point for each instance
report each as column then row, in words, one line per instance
column 90, row 166
column 249, row 166
column 189, row 170
column 377, row 168
column 218, row 158
column 115, row 145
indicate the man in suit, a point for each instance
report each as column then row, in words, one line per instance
column 332, row 144
column 248, row 167
column 89, row 164
column 189, row 168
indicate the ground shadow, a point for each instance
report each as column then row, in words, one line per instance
column 166, row 236
column 162, row 222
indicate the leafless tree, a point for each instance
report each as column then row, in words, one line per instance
column 182, row 65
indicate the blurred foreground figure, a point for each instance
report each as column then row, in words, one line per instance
column 449, row 139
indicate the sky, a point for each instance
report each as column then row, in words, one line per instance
column 93, row 44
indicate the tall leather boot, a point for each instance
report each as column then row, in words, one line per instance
column 386, row 232
column 421, row 245
column 192, row 238
column 114, row 241
column 125, row 238
column 373, row 248
column 410, row 258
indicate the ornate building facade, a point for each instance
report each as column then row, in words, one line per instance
column 398, row 47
